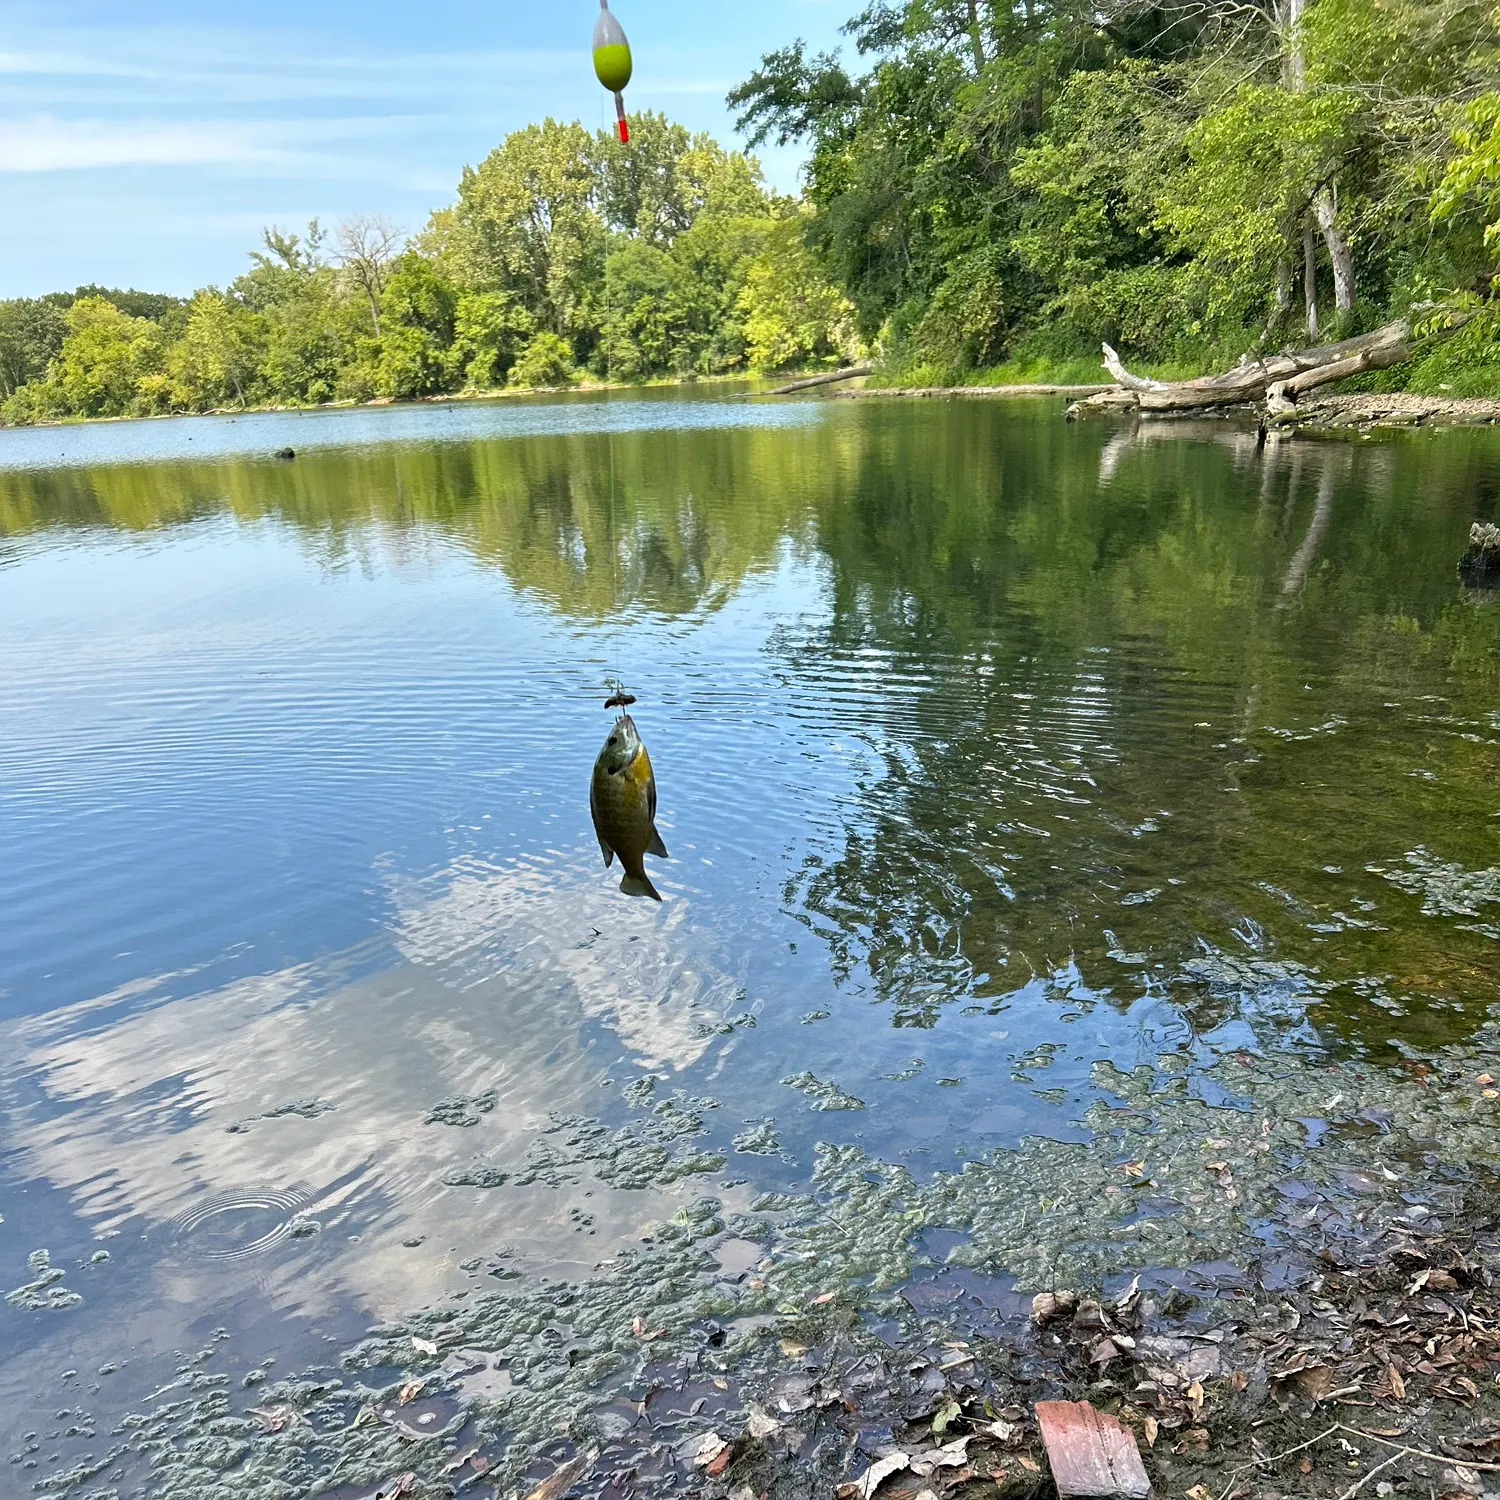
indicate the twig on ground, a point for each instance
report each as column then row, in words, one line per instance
column 1359, row 1484
column 1275, row 1458
column 1435, row 1458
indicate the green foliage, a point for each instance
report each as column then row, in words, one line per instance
column 1138, row 173
column 544, row 361
column 32, row 330
column 792, row 316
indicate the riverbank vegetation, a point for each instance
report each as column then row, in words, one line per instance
column 1010, row 185
column 564, row 256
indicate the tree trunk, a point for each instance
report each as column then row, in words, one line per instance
column 1310, row 281
column 1338, row 251
column 975, row 36
column 1283, row 288
column 849, row 372
column 1292, row 372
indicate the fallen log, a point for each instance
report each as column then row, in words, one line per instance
column 1480, row 565
column 979, row 390
column 1289, row 372
column 849, row 372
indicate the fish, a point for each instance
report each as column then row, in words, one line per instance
column 622, row 802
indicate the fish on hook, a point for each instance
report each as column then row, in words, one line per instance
column 622, row 802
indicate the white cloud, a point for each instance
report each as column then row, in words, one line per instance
column 44, row 144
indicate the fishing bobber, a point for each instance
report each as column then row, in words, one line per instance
column 612, row 62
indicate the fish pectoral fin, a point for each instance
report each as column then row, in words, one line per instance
column 656, row 846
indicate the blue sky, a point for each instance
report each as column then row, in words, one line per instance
column 146, row 142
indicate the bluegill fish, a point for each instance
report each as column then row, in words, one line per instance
column 622, row 800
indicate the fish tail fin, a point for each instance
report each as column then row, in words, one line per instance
column 639, row 885
column 656, row 846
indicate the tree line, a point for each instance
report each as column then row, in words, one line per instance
column 1187, row 179
column 565, row 255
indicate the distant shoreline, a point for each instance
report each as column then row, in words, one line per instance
column 582, row 388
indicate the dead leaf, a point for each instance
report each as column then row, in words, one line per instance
column 399, row 1487
column 761, row 1423
column 1104, row 1351
column 877, row 1474
column 825, row 1298
column 1006, row 1432
column 1028, row 1463
column 409, row 1392
column 1314, row 1382
column 716, row 1465
column 952, row 1455
column 423, row 1346
column 274, row 1418
column 564, row 1477
column 1048, row 1306
column 639, row 1329
column 1304, row 1465
column 1200, row 1492
column 1397, row 1384
column 791, row 1350
column 1194, row 1394
column 710, row 1449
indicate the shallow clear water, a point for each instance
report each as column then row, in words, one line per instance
column 988, row 747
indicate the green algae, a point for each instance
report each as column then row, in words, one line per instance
column 43, row 1292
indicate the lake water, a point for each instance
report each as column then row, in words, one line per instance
column 991, row 749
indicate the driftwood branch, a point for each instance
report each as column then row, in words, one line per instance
column 1276, row 378
column 849, row 372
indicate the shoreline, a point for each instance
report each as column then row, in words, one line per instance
column 444, row 398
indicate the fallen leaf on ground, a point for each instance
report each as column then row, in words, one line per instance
column 638, row 1328
column 408, row 1392
column 711, row 1448
column 826, row 1297
column 423, row 1346
column 1046, row 1306
column 397, row 1488
column 952, row 1455
column 761, row 1423
column 562, row 1479
column 876, row 1475
column 1006, row 1432
column 944, row 1415
column 791, row 1350
column 1200, row 1492
column 1030, row 1464
column 1152, row 1427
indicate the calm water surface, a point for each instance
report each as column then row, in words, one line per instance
column 988, row 747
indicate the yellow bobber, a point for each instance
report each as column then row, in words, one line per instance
column 612, row 62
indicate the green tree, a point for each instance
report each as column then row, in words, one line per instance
column 489, row 330
column 793, row 316
column 32, row 330
column 105, row 358
column 527, row 222
column 546, row 360
column 418, row 313
column 216, row 358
